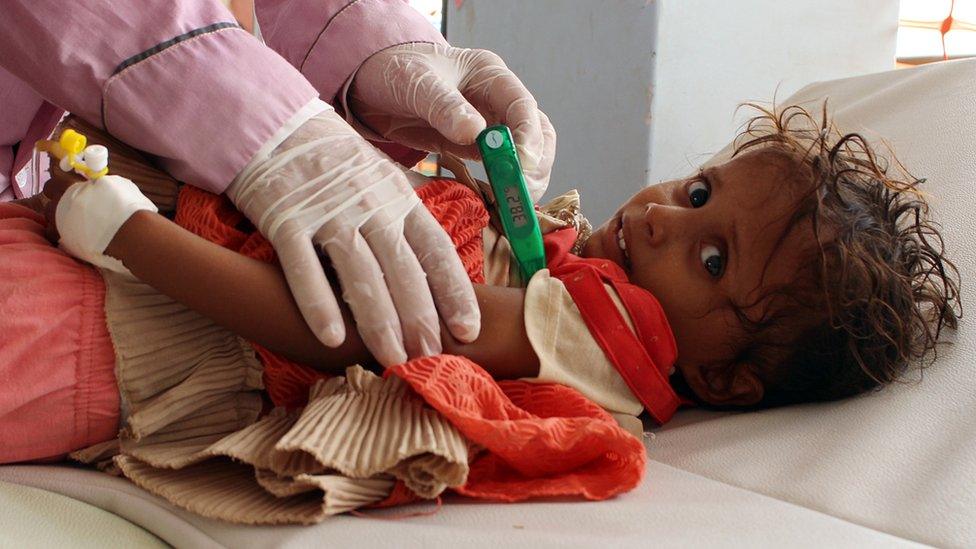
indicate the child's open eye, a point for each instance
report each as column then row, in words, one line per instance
column 698, row 193
column 712, row 260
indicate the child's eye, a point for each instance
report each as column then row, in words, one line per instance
column 698, row 193
column 712, row 260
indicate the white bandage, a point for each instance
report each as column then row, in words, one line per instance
column 91, row 212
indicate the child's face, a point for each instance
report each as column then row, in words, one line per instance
column 700, row 245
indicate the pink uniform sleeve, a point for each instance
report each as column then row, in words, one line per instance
column 176, row 78
column 18, row 105
column 327, row 40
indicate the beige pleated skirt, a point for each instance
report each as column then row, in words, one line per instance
column 192, row 432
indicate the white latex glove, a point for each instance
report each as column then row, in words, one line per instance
column 89, row 213
column 326, row 188
column 438, row 98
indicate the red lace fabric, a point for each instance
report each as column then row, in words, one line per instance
column 538, row 439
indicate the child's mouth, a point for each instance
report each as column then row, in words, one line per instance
column 621, row 242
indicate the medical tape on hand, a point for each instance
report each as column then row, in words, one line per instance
column 307, row 112
column 348, row 203
column 255, row 177
column 90, row 213
column 314, row 203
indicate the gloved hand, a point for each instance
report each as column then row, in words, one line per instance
column 325, row 187
column 438, row 98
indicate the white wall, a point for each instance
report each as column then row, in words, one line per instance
column 713, row 55
column 643, row 90
column 588, row 64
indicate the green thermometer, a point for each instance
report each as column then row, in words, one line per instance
column 512, row 199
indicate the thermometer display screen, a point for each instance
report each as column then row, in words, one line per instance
column 515, row 207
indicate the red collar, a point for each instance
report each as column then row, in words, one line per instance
column 644, row 359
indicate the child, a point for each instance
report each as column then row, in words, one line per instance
column 799, row 270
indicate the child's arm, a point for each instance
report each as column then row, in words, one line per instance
column 252, row 299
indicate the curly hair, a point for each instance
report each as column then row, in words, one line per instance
column 878, row 290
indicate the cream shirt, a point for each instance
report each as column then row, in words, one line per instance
column 567, row 353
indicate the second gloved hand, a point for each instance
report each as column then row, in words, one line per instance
column 326, row 188
column 438, row 98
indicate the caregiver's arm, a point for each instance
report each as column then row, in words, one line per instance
column 227, row 104
column 135, row 67
column 251, row 298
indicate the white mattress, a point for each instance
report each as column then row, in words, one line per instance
column 889, row 469
column 67, row 522
column 673, row 507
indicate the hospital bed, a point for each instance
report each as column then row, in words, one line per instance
column 892, row 468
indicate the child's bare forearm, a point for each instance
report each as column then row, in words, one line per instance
column 247, row 296
column 502, row 347
column 252, row 299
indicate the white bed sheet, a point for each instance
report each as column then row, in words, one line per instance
column 67, row 522
column 673, row 508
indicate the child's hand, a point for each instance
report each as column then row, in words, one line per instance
column 83, row 216
column 53, row 191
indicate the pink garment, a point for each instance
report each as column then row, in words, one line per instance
column 177, row 78
column 57, row 380
column 18, row 105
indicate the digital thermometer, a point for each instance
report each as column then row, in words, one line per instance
column 512, row 199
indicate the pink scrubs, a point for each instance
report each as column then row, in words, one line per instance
column 180, row 80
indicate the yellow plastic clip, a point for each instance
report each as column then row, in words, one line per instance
column 72, row 142
column 70, row 145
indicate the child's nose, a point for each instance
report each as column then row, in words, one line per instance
column 655, row 225
column 663, row 222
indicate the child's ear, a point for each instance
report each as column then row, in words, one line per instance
column 728, row 384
